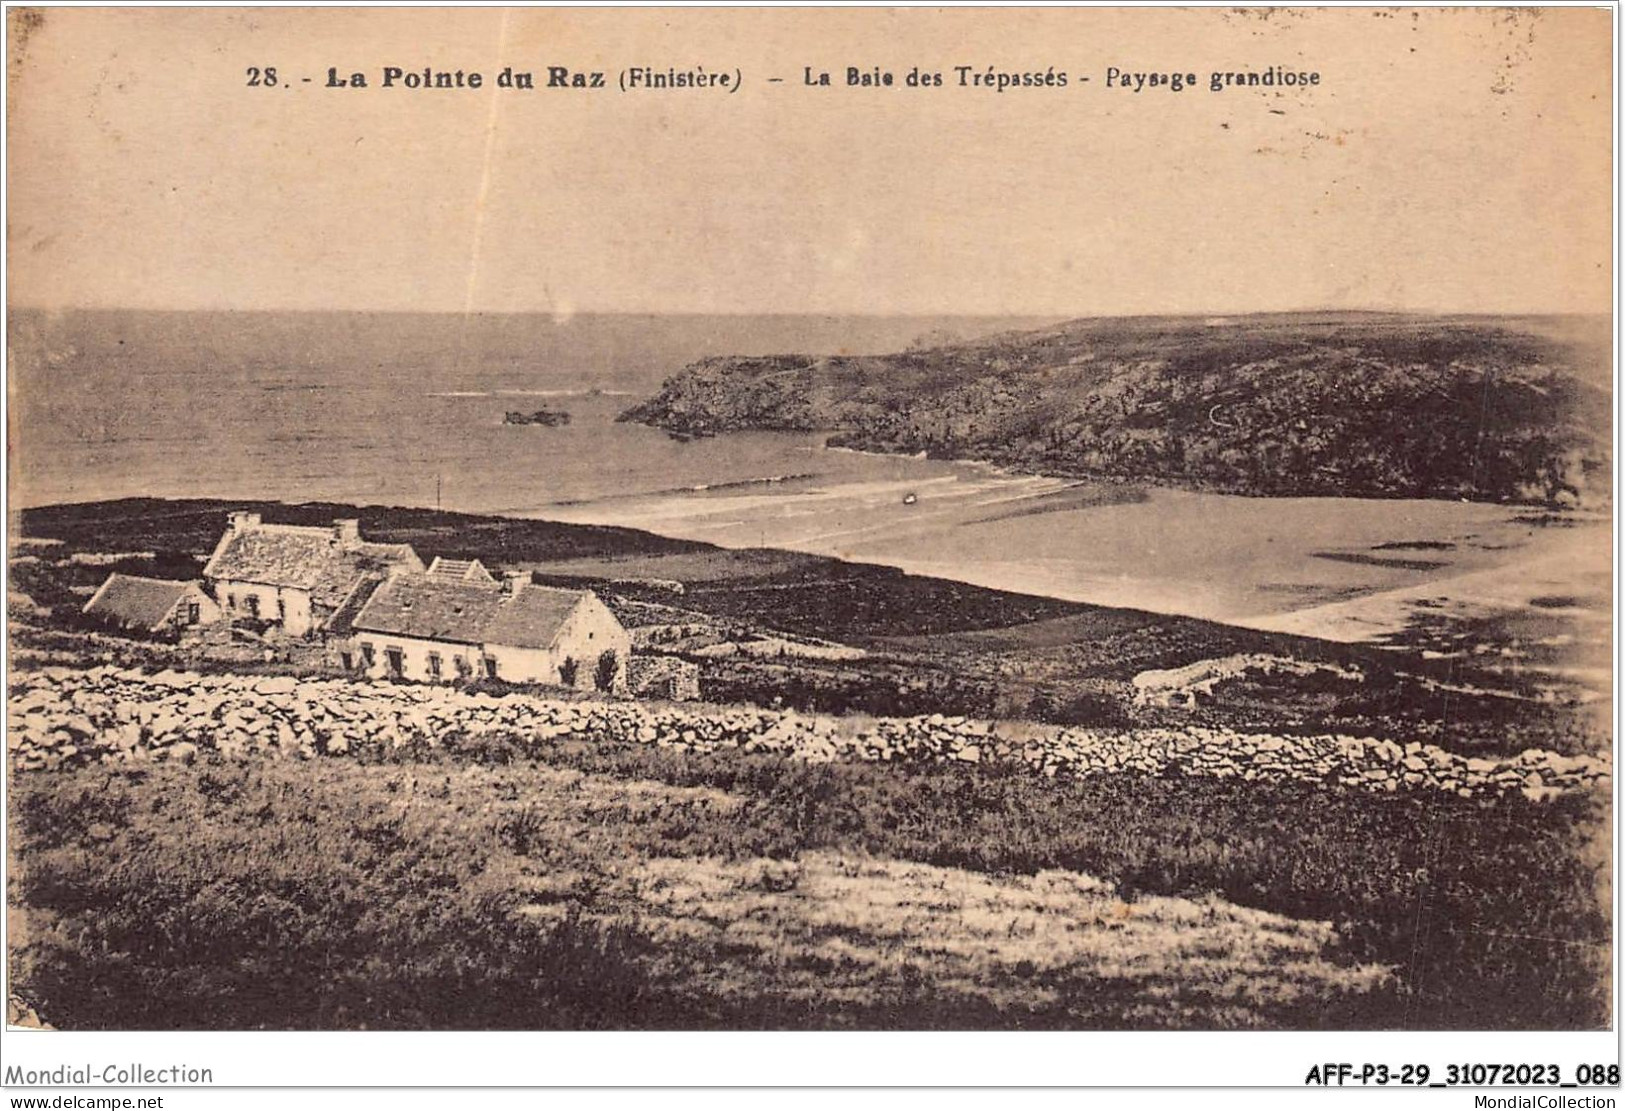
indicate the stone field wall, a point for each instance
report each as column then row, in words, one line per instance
column 61, row 716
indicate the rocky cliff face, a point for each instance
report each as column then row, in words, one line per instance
column 1338, row 404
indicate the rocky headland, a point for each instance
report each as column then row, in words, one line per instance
column 1332, row 404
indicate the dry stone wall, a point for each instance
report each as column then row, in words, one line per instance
column 1186, row 686
column 61, row 716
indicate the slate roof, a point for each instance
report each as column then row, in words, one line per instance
column 343, row 618
column 459, row 570
column 303, row 558
column 137, row 602
column 418, row 606
column 467, row 613
column 532, row 616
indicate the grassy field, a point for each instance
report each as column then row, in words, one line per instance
column 589, row 885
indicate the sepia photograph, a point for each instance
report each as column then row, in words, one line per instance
column 864, row 519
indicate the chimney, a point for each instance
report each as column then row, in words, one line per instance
column 515, row 581
column 347, row 531
column 241, row 520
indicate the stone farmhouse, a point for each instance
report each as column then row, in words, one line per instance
column 151, row 605
column 381, row 613
column 294, row 576
column 457, row 622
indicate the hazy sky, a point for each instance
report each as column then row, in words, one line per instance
column 1449, row 159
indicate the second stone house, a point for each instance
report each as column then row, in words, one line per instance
column 295, row 576
column 456, row 625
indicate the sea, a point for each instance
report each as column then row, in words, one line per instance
column 408, row 409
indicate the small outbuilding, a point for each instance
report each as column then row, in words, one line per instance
column 151, row 605
column 667, row 677
column 467, row 571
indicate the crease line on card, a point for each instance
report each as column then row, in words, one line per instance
column 481, row 195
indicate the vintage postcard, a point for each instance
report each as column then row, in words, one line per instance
column 861, row 519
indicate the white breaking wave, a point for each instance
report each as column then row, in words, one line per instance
column 532, row 393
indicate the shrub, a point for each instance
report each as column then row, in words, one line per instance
column 385, row 892
column 604, row 674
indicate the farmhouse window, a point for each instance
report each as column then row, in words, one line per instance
column 434, row 665
column 367, row 656
column 193, row 613
column 397, row 661
column 347, row 661
column 490, row 667
column 462, row 666
column 252, row 605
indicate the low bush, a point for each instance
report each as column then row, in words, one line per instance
column 401, row 890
